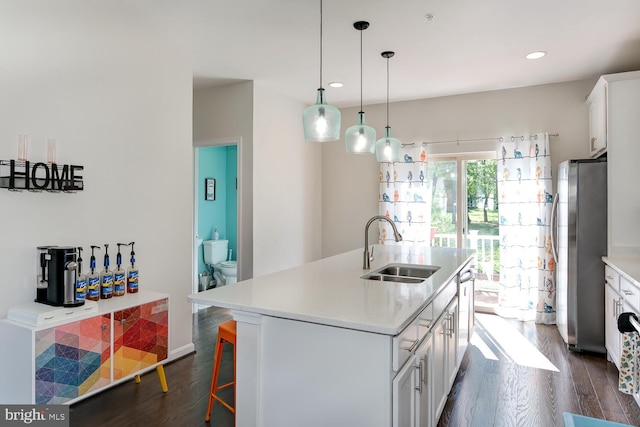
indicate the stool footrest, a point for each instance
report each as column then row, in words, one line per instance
column 225, row 404
column 225, row 385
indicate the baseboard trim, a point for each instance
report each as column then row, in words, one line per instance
column 182, row 351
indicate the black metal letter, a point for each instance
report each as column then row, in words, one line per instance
column 14, row 173
column 61, row 181
column 34, row 179
column 75, row 178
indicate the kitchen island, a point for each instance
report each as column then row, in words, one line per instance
column 317, row 345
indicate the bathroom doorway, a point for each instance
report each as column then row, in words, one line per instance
column 216, row 165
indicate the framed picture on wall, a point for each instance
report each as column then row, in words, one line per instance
column 209, row 189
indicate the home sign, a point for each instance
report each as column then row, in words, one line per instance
column 22, row 175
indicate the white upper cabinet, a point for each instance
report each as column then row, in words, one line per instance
column 614, row 114
column 597, row 102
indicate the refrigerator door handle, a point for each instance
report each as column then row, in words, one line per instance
column 554, row 228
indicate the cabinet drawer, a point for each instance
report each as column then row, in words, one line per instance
column 404, row 343
column 630, row 293
column 445, row 296
column 425, row 321
column 612, row 277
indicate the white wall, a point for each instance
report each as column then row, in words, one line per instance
column 284, row 172
column 287, row 185
column 119, row 103
column 349, row 182
column 227, row 112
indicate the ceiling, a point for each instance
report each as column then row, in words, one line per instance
column 468, row 46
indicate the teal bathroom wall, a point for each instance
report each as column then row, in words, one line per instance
column 219, row 163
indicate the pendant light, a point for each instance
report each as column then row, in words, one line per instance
column 321, row 122
column 388, row 148
column 360, row 138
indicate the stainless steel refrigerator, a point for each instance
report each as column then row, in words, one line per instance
column 579, row 240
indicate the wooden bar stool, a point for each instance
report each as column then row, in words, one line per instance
column 226, row 334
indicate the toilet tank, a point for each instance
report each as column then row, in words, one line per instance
column 215, row 251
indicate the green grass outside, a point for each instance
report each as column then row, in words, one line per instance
column 476, row 222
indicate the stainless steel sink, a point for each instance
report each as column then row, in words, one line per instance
column 409, row 270
column 402, row 273
column 396, row 279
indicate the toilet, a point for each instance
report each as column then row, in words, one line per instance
column 215, row 255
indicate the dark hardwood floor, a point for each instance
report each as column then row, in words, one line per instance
column 492, row 388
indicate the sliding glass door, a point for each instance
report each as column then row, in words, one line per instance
column 464, row 209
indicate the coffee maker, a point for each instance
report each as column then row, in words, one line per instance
column 56, row 279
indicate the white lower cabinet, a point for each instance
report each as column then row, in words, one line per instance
column 404, row 400
column 622, row 295
column 445, row 349
column 421, row 386
column 423, row 389
column 412, row 389
column 452, row 347
column 466, row 307
column 612, row 308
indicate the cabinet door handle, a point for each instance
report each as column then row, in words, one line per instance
column 123, row 321
column 419, row 368
column 425, row 322
column 413, row 345
column 425, row 372
column 627, row 292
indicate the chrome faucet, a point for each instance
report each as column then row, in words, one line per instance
column 368, row 257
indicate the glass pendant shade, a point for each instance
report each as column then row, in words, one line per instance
column 360, row 138
column 388, row 148
column 321, row 122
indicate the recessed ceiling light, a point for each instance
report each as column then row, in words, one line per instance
column 336, row 84
column 535, row 55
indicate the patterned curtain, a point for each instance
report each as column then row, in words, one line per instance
column 527, row 283
column 405, row 197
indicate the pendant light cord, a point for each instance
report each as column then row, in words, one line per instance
column 320, row 45
column 387, row 93
column 361, row 70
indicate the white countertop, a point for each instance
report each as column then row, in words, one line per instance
column 628, row 267
column 330, row 291
column 37, row 315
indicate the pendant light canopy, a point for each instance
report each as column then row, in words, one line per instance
column 321, row 122
column 360, row 138
column 388, row 148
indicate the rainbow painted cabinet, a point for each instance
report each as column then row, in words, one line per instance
column 73, row 358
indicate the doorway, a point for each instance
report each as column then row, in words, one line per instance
column 465, row 215
column 216, row 207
